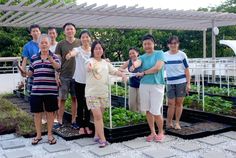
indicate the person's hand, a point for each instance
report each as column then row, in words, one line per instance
column 90, row 67
column 68, row 56
column 22, row 72
column 108, row 60
column 140, row 74
column 50, row 59
column 124, row 77
column 58, row 81
column 188, row 87
column 132, row 68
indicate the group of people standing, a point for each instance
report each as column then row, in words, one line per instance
column 79, row 67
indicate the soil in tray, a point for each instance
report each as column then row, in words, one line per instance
column 211, row 126
column 200, row 129
column 67, row 133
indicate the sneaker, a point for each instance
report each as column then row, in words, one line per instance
column 57, row 126
column 74, row 126
column 103, row 144
column 159, row 138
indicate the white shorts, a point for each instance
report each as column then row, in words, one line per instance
column 151, row 98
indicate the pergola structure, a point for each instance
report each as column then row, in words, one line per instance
column 82, row 15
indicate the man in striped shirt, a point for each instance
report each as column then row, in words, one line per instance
column 44, row 89
column 178, row 81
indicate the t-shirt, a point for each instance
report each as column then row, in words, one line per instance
column 175, row 67
column 80, row 58
column 44, row 82
column 31, row 48
column 67, row 66
column 53, row 48
column 134, row 81
column 149, row 61
column 97, row 81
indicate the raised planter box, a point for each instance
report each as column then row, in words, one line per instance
column 228, row 98
column 118, row 101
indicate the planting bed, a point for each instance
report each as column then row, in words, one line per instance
column 128, row 125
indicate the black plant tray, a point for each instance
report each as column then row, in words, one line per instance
column 218, row 85
column 67, row 133
column 228, row 98
column 118, row 101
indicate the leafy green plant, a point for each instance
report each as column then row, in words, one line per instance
column 122, row 117
column 119, row 91
column 212, row 104
column 217, row 90
column 68, row 104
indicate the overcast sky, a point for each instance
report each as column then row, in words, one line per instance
column 164, row 4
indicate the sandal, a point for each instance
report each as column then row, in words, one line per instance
column 52, row 141
column 159, row 138
column 88, row 131
column 150, row 138
column 36, row 141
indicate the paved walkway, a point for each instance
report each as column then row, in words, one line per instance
column 218, row 146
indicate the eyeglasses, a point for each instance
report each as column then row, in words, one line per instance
column 174, row 43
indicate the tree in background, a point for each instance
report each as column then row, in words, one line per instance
column 118, row 41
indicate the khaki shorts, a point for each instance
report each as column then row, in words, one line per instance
column 151, row 98
column 67, row 86
column 97, row 102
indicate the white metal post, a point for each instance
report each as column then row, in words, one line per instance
column 109, row 95
column 213, row 45
column 125, row 94
column 203, row 92
column 204, row 44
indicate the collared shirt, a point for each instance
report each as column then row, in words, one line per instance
column 44, row 82
column 31, row 48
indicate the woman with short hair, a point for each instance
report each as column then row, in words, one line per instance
column 152, row 86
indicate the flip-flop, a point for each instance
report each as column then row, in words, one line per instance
column 52, row 141
column 36, row 141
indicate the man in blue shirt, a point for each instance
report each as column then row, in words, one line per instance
column 31, row 48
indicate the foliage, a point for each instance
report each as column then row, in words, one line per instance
column 13, row 118
column 212, row 104
column 119, row 91
column 122, row 117
column 217, row 90
column 68, row 104
column 118, row 41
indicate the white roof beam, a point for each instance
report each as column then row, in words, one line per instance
column 29, row 14
column 39, row 15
